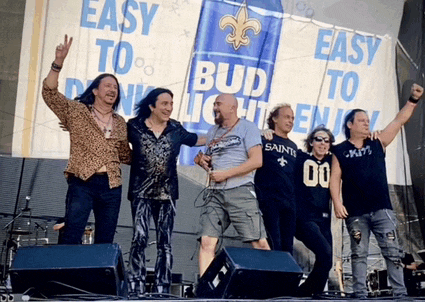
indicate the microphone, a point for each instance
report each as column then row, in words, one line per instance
column 27, row 199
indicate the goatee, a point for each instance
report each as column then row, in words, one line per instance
column 218, row 119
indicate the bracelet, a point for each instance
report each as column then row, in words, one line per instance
column 56, row 67
column 414, row 101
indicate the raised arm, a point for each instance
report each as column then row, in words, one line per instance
column 254, row 161
column 335, row 188
column 389, row 133
column 60, row 55
column 56, row 101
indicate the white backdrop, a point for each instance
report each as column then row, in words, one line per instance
column 322, row 69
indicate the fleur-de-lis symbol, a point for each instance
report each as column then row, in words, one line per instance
column 282, row 161
column 240, row 25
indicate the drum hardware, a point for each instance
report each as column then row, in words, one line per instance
column 20, row 232
column 9, row 240
column 36, row 241
column 88, row 236
column 44, row 230
column 377, row 284
column 10, row 244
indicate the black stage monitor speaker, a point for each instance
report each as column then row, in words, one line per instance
column 243, row 273
column 69, row 269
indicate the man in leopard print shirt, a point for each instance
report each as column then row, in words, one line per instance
column 99, row 144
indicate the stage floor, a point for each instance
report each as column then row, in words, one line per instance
column 97, row 298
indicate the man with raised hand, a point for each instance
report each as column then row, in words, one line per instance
column 99, row 144
column 359, row 163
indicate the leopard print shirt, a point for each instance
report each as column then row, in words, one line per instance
column 90, row 149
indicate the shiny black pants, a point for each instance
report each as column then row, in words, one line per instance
column 162, row 213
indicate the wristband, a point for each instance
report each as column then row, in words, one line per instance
column 411, row 99
column 56, row 67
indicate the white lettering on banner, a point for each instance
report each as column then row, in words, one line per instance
column 223, row 74
column 251, row 74
column 247, row 109
column 204, row 79
column 206, row 71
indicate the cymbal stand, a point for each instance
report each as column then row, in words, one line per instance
column 10, row 244
column 44, row 230
column 10, row 239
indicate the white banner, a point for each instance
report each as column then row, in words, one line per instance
column 321, row 69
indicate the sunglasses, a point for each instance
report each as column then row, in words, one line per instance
column 321, row 139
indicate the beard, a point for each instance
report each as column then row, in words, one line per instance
column 218, row 119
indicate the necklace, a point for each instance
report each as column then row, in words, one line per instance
column 103, row 114
column 107, row 127
column 217, row 140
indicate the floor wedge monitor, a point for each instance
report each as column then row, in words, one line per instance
column 243, row 273
column 53, row 270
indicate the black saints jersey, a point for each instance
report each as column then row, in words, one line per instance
column 276, row 176
column 312, row 187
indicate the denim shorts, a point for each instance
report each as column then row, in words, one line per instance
column 238, row 206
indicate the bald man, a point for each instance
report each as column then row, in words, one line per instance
column 233, row 154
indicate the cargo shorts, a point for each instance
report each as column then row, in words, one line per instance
column 238, row 206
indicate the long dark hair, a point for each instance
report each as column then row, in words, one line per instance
column 88, row 97
column 309, row 140
column 142, row 108
column 350, row 118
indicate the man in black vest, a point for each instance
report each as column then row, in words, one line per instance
column 359, row 163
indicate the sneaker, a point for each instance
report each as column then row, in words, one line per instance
column 136, row 289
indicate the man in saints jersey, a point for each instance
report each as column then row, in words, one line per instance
column 274, row 181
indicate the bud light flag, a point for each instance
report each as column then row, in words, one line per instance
column 324, row 58
column 235, row 52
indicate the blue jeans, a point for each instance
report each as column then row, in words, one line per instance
column 383, row 225
column 163, row 217
column 85, row 196
column 317, row 237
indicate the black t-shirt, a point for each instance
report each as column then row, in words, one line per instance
column 364, row 177
column 276, row 176
column 312, row 187
column 153, row 171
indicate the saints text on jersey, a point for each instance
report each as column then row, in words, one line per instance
column 280, row 149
